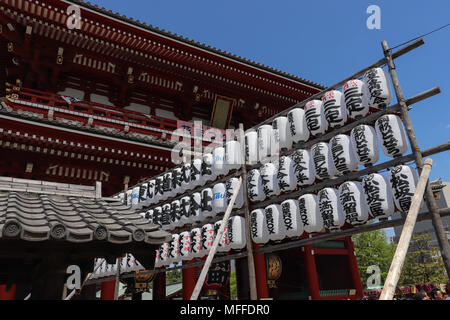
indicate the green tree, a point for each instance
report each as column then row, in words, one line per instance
column 233, row 285
column 173, row 276
column 423, row 263
column 373, row 249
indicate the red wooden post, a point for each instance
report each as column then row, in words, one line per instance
column 353, row 263
column 107, row 292
column 260, row 272
column 311, row 273
column 189, row 280
column 7, row 294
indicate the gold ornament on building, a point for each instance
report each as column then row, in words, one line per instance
column 59, row 60
column 130, row 78
column 274, row 269
column 10, row 47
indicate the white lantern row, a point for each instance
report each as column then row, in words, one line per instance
column 353, row 203
column 127, row 264
column 198, row 242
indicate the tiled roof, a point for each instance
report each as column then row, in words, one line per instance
column 36, row 212
column 203, row 46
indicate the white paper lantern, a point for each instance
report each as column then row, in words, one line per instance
column 164, row 250
column 281, row 128
column 287, row 180
column 129, row 197
column 157, row 259
column 308, row 206
column 403, row 180
column 224, row 243
column 251, row 147
column 167, row 186
column 323, row 161
column 175, row 213
column 207, row 203
column 293, row 224
column 378, row 85
column 176, row 181
column 208, row 173
column 151, row 198
column 147, row 215
column 378, row 196
column 298, row 128
column 135, row 197
column 331, row 209
column 356, row 97
column 353, row 202
column 392, row 135
column 258, row 226
column 185, row 208
column 236, row 232
column 233, row 154
column 220, row 166
column 315, row 117
column 344, row 158
column 157, row 216
column 121, row 197
column 174, row 249
column 207, row 238
column 186, row 177
column 231, row 185
column 274, row 222
column 196, row 207
column 255, row 190
column 269, row 180
column 166, row 221
column 267, row 145
column 364, row 140
column 143, row 187
column 196, row 173
column 220, row 201
column 334, row 108
column 159, row 190
column 304, row 170
column 196, row 243
column 185, row 245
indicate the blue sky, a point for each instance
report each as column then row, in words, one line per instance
column 323, row 41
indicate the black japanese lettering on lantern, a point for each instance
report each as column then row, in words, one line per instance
column 387, row 134
column 287, row 216
column 303, row 211
column 348, row 201
column 402, row 188
column 361, row 144
column 312, row 119
column 332, row 112
column 269, row 221
column 373, row 81
column 142, row 192
column 206, row 201
column 353, row 100
column 337, row 152
column 320, row 161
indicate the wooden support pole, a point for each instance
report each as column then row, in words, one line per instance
column 408, row 229
column 249, row 241
column 260, row 273
column 189, row 280
column 430, row 201
column 117, row 284
column 212, row 252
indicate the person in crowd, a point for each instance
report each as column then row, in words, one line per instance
column 421, row 296
column 436, row 294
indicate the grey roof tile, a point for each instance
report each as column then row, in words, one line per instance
column 39, row 216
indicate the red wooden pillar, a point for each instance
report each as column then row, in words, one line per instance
column 189, row 280
column 108, row 288
column 7, row 294
column 159, row 286
column 311, row 273
column 260, row 272
column 354, row 270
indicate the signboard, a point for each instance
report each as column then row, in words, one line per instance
column 222, row 112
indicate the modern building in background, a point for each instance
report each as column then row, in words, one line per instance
column 441, row 191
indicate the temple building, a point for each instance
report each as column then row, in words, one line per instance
column 90, row 96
